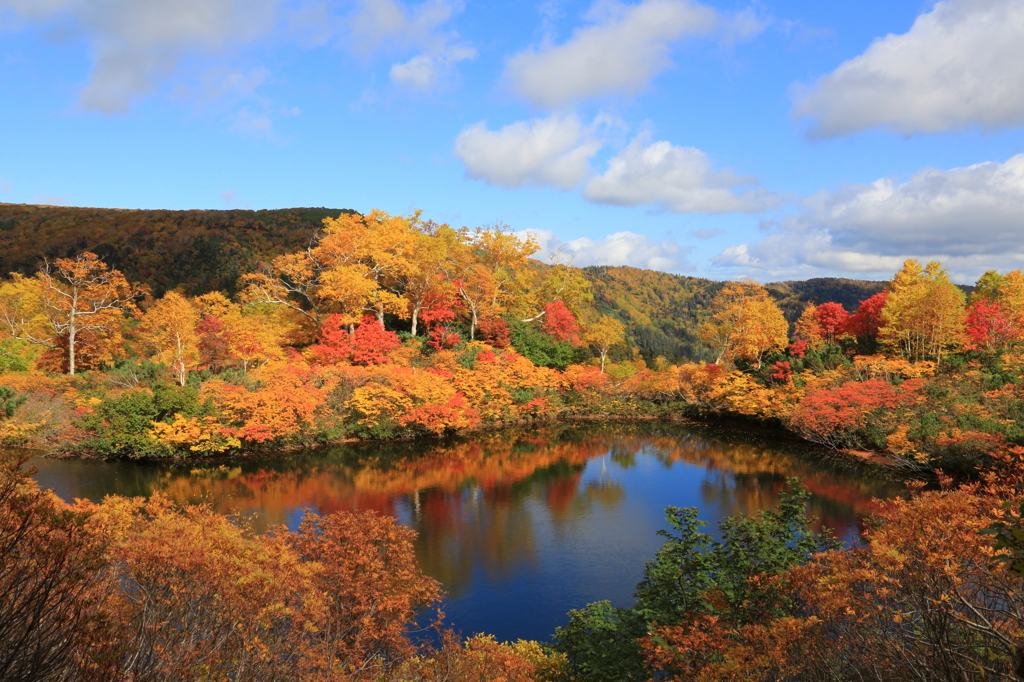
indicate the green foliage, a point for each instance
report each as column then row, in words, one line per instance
column 9, row 402
column 1008, row 538
column 121, row 423
column 695, row 574
column 544, row 350
column 14, row 355
column 601, row 642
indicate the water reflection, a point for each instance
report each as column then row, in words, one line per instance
column 519, row 526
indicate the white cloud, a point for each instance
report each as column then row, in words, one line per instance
column 557, row 151
column 394, row 27
column 5, row 186
column 969, row 218
column 960, row 65
column 620, row 248
column 679, row 179
column 550, row 151
column 619, row 53
column 136, row 44
column 391, row 25
column 423, row 72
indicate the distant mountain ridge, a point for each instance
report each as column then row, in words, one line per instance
column 206, row 250
column 199, row 250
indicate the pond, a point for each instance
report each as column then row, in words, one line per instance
column 518, row 525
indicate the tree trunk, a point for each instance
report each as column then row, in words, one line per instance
column 71, row 350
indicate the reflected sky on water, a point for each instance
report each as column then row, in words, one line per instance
column 518, row 525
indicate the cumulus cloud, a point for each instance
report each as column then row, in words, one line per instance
column 549, row 151
column 618, row 53
column 960, row 65
column 557, row 151
column 678, row 179
column 619, row 248
column 135, row 44
column 969, row 218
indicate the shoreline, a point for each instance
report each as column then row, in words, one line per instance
column 879, row 459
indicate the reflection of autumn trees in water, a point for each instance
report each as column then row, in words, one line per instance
column 479, row 504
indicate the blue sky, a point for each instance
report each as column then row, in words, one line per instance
column 773, row 140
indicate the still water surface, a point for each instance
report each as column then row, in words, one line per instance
column 519, row 526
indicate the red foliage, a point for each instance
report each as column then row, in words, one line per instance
column 368, row 344
column 798, row 348
column 442, row 303
column 831, row 317
column 443, row 337
column 334, row 342
column 782, row 371
column 371, row 342
column 560, row 323
column 988, row 326
column 832, row 416
column 865, row 321
column 213, row 343
column 495, row 331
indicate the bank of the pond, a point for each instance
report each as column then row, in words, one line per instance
column 731, row 424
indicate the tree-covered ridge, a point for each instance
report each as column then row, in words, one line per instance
column 199, row 251
column 662, row 312
column 793, row 296
column 202, row 251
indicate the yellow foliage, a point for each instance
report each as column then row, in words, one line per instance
column 13, row 433
column 378, row 403
column 741, row 394
column 887, row 369
column 198, row 434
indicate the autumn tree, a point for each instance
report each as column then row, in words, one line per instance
column 425, row 280
column 356, row 265
column 807, row 328
column 69, row 298
column 831, row 318
column 169, row 329
column 988, row 327
column 490, row 264
column 865, row 321
column 924, row 312
column 746, row 324
column 560, row 323
column 604, row 334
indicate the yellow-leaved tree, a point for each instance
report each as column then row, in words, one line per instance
column 68, row 300
column 604, row 334
column 924, row 312
column 169, row 329
column 357, row 265
column 746, row 324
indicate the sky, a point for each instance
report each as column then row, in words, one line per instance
column 721, row 139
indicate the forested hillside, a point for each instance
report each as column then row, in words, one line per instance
column 201, row 251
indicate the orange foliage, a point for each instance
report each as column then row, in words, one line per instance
column 280, row 408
